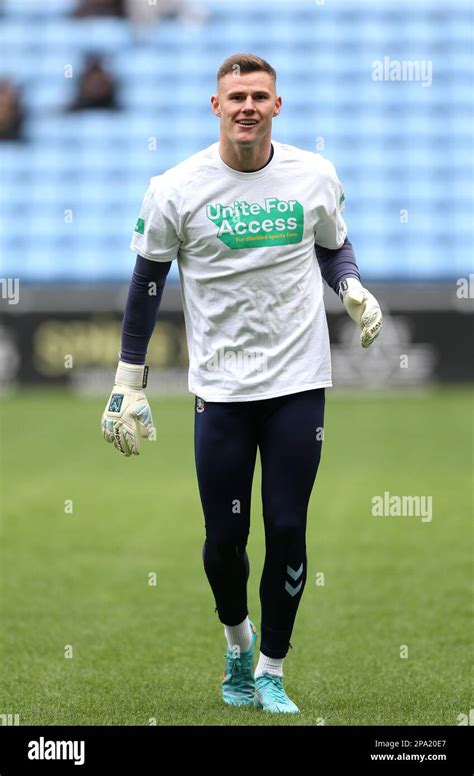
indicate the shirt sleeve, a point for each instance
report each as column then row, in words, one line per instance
column 142, row 308
column 156, row 232
column 330, row 230
column 338, row 264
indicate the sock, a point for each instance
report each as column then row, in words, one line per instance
column 239, row 635
column 269, row 665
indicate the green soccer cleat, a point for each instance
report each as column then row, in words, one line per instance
column 238, row 684
column 271, row 696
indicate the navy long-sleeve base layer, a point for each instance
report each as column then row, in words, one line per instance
column 288, row 432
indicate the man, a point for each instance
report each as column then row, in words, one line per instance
column 243, row 218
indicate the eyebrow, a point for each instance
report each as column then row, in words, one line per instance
column 257, row 91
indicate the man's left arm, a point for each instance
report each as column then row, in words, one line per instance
column 337, row 260
column 340, row 271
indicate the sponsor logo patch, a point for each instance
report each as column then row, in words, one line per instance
column 200, row 405
column 115, row 404
column 140, row 226
column 251, row 225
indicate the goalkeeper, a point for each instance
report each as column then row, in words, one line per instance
column 254, row 225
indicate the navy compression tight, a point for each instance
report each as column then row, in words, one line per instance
column 287, row 431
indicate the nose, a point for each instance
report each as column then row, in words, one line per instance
column 248, row 105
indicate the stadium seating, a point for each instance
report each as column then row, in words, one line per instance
column 396, row 145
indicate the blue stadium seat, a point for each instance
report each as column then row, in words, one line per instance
column 395, row 144
column 16, row 34
column 50, row 128
column 48, row 95
column 35, row 9
column 101, row 34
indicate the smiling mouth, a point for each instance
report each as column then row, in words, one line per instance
column 247, row 122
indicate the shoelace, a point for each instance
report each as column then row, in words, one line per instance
column 236, row 666
column 237, row 672
column 276, row 681
column 238, row 663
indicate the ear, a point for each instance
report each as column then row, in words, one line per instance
column 216, row 109
column 277, row 107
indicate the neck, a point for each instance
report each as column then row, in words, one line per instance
column 245, row 158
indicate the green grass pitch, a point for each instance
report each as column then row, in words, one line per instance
column 145, row 654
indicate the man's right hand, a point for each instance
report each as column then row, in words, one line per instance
column 127, row 415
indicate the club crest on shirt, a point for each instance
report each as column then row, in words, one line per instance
column 200, row 405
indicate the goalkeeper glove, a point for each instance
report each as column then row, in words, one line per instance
column 127, row 414
column 363, row 308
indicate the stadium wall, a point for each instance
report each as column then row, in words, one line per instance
column 70, row 336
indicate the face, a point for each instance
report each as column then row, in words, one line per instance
column 246, row 104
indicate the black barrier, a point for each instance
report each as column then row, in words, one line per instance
column 144, row 749
column 415, row 348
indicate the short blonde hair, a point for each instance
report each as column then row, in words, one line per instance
column 245, row 63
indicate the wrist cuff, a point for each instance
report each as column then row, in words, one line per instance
column 132, row 375
column 348, row 283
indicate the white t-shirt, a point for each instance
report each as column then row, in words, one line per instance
column 250, row 280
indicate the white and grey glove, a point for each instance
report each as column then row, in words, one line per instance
column 363, row 308
column 127, row 415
